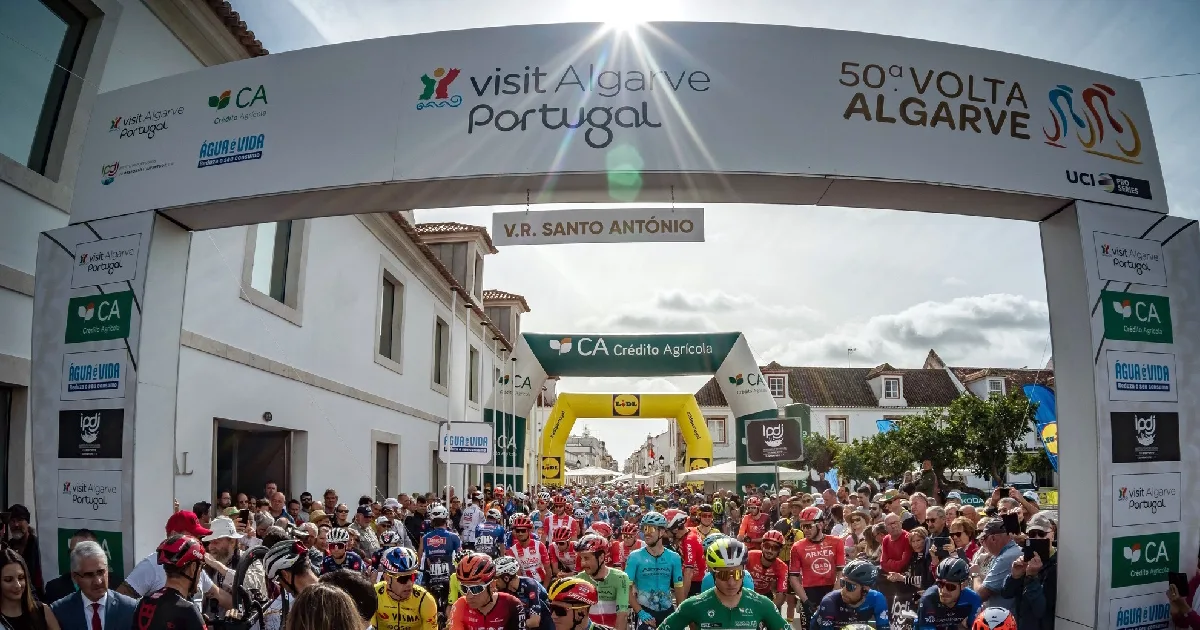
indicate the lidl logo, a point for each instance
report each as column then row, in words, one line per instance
column 436, row 92
column 698, row 463
column 627, row 404
column 550, row 467
column 563, row 346
column 1050, row 437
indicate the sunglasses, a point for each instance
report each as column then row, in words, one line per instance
column 402, row 578
column 849, row 587
column 631, row 535
column 772, row 547
column 706, row 515
column 807, row 525
column 343, row 511
column 473, row 589
column 947, row 586
column 957, row 534
column 563, row 543
column 1035, row 533
column 727, row 574
column 337, row 545
column 562, row 611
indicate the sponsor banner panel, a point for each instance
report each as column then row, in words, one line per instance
column 466, row 443
column 1128, row 259
column 93, row 375
column 599, row 225
column 1142, row 499
column 106, row 261
column 1144, row 558
column 111, row 541
column 1150, row 436
column 90, row 433
column 89, row 494
column 1151, row 611
column 778, row 440
column 1142, row 376
column 1137, row 317
column 99, row 317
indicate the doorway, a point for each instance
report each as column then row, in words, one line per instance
column 247, row 457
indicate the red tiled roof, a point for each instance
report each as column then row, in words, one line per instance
column 452, row 227
column 233, row 21
column 849, row 387
column 1015, row 378
column 883, row 368
column 490, row 295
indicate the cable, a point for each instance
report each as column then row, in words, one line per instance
column 1168, row 76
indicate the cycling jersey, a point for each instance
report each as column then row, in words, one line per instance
column 418, row 612
column 594, row 517
column 932, row 615
column 618, row 553
column 535, row 517
column 533, row 596
column 691, row 552
column 564, row 558
column 510, row 538
column 654, row 577
column 835, row 613
column 533, row 556
column 352, row 562
column 507, row 614
column 167, row 608
column 753, row 528
column 706, row 611
column 791, row 533
column 816, row 562
column 613, row 595
column 710, row 581
column 437, row 550
column 472, row 517
column 554, row 521
column 767, row 579
column 489, row 539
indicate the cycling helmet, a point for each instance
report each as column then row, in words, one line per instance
column 592, row 543
column 398, row 560
column 995, row 619
column 545, row 496
column 675, row 518
column 861, row 572
column 580, row 514
column 774, row 536
column 498, row 492
column 520, row 496
column 595, row 502
column 389, row 538
column 654, row 518
column 706, row 508
column 602, row 529
column 475, row 568
column 953, row 569
column 339, row 535
column 179, row 551
column 284, row 555
column 712, row 538
column 521, row 521
column 812, row 513
column 629, row 529
column 494, row 514
column 459, row 554
column 559, row 500
column 573, row 592
column 560, row 534
column 438, row 511
column 506, row 566
column 726, row 553
column 753, row 502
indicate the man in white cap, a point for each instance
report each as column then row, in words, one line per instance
column 224, row 555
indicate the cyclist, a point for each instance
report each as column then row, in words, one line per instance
column 718, row 510
column 489, row 537
column 291, row 560
column 564, row 560
column 603, row 529
column 707, row 523
column 729, row 604
column 855, row 601
column 815, row 560
column 769, row 572
column 182, row 559
column 402, row 604
column 481, row 605
column 595, row 516
column 540, row 510
column 388, row 539
column 654, row 572
column 676, row 523
column 949, row 603
column 559, row 518
column 531, row 593
column 612, row 585
column 570, row 599
column 690, row 550
column 438, row 547
column 472, row 517
column 709, row 581
column 619, row 550
column 338, row 556
column 531, row 553
column 995, row 618
column 754, row 523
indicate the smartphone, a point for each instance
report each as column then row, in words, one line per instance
column 938, row 543
column 1180, row 581
column 245, row 516
column 1012, row 524
column 1039, row 546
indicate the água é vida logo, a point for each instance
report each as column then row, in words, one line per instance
column 252, row 100
column 147, row 123
column 229, row 151
column 598, row 120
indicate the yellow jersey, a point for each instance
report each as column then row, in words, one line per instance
column 418, row 612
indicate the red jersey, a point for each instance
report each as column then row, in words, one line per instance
column 767, row 579
column 618, row 553
column 566, row 559
column 691, row 551
column 754, row 527
column 554, row 521
column 507, row 614
column 533, row 557
column 816, row 562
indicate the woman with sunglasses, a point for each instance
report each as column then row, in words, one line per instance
column 570, row 600
column 962, row 536
column 402, row 604
column 949, row 604
column 729, row 604
column 481, row 605
column 854, row 601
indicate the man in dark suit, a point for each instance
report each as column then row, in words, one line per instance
column 93, row 606
column 63, row 585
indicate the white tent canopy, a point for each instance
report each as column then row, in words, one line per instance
column 592, row 471
column 728, row 472
column 628, row 477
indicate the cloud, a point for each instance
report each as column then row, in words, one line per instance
column 954, row 281
column 649, row 322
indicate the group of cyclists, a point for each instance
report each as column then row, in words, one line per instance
column 577, row 563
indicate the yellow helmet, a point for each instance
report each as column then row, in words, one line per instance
column 572, row 592
column 726, row 553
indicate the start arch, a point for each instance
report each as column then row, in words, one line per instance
column 571, row 406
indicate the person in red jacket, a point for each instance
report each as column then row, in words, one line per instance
column 896, row 553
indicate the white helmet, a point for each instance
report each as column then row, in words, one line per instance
column 494, row 514
column 339, row 535
column 283, row 556
column 507, row 566
column 438, row 511
column 579, row 513
column 595, row 502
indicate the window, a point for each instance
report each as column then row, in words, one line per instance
column 441, row 353
column 891, row 388
column 995, row 387
column 838, row 426
column 473, row 393
column 271, row 248
column 391, row 316
column 273, row 270
column 500, row 316
column 777, row 384
column 478, row 292
column 716, row 429
column 34, row 75
column 454, row 256
column 385, row 465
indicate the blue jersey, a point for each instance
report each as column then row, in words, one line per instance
column 352, row 562
column 437, row 552
column 932, row 615
column 654, row 578
column 835, row 613
column 533, row 596
column 536, row 518
column 590, row 518
column 489, row 539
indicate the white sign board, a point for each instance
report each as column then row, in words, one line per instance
column 471, row 106
column 1142, row 376
column 1151, row 611
column 1142, row 499
column 106, row 261
column 93, row 375
column 599, row 225
column 93, row 495
column 1128, row 259
column 466, row 443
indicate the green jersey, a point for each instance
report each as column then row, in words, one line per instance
column 613, row 595
column 706, row 611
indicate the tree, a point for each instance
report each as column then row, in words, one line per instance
column 1035, row 462
column 991, row 430
column 820, row 453
column 857, row 462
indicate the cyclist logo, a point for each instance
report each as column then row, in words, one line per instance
column 437, row 89
column 1124, row 143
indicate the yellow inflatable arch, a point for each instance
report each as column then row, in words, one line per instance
column 569, row 406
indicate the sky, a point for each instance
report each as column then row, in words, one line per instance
column 806, row 283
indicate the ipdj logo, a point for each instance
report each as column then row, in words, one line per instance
column 436, row 92
column 1144, row 429
column 1124, row 144
column 89, row 427
column 773, row 435
column 109, row 173
column 563, row 346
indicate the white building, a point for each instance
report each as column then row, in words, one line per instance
column 584, row 450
